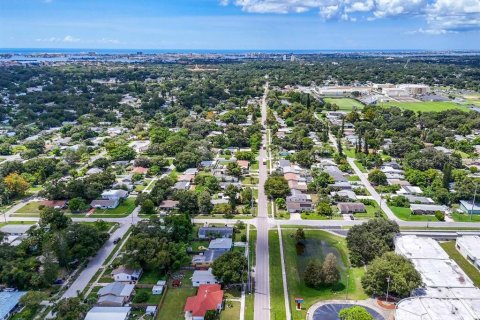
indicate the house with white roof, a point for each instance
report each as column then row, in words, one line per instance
column 203, row 277
column 108, row 313
column 469, row 247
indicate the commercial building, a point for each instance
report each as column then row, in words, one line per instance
column 108, row 313
column 446, row 293
column 468, row 207
column 469, row 247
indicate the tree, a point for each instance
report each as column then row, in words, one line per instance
column 330, row 272
column 377, row 177
column 323, row 208
column 32, row 299
column 185, row 160
column 401, row 272
column 313, row 273
column 304, row 158
column 355, row 313
column 277, row 187
column 141, row 297
column 70, row 309
column 77, row 205
column 447, row 175
column 16, row 184
column 281, row 203
column 234, row 169
column 300, row 235
column 54, row 218
column 147, row 207
column 399, row 201
column 230, row 268
column 204, row 200
column 187, row 201
column 122, row 152
column 370, row 240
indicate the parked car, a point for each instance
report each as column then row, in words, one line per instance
column 117, row 240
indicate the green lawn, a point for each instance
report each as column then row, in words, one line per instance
column 277, row 301
column 360, row 166
column 463, row 217
column 31, row 207
column 471, row 271
column 249, row 298
column 425, row 106
column 231, row 311
column 175, row 299
column 316, row 216
column 151, row 277
column 318, row 244
column 345, row 104
column 153, row 299
column 406, row 214
column 125, row 208
column 353, row 178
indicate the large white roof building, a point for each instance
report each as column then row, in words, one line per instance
column 447, row 292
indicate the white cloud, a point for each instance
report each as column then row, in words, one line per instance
column 108, row 41
column 66, row 39
column 441, row 16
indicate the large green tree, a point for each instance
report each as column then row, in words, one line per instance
column 230, row 268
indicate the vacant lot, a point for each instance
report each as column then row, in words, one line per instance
column 345, row 104
column 425, row 106
column 317, row 245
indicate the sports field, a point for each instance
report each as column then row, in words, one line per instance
column 345, row 104
column 428, row 106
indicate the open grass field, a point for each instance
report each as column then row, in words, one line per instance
column 345, row 104
column 31, row 207
column 472, row 272
column 427, row 106
column 277, row 301
column 317, row 245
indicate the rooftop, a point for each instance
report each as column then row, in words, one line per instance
column 8, row 301
column 471, row 244
column 108, row 313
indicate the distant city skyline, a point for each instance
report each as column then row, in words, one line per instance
column 242, row 24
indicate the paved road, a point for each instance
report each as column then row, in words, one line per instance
column 97, row 261
column 262, row 284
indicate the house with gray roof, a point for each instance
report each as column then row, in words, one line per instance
column 351, row 207
column 221, row 244
column 215, row 232
column 201, row 277
column 115, row 294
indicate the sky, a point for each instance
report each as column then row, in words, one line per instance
column 241, row 24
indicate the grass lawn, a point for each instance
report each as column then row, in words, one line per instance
column 360, row 166
column 249, row 180
column 317, row 246
column 371, row 209
column 277, row 301
column 406, row 214
column 345, row 104
column 425, row 106
column 231, row 311
column 153, row 299
column 349, row 152
column 151, row 277
column 175, row 299
column 471, row 271
column 353, row 178
column 196, row 244
column 462, row 217
column 254, row 165
column 316, row 216
column 125, row 208
column 249, row 298
column 31, row 207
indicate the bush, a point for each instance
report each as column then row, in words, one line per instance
column 141, row 297
column 399, row 201
column 440, row 215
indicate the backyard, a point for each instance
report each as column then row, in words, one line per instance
column 175, row 298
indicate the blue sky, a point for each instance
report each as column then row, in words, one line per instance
column 241, row 24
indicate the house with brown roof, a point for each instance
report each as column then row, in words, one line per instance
column 244, row 165
column 351, row 207
column 168, row 205
column 209, row 297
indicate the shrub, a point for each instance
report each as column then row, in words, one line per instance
column 440, row 215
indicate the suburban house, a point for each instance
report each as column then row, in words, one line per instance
column 110, row 313
column 191, row 171
column 209, row 297
column 168, row 205
column 104, row 204
column 56, row 204
column 201, row 277
column 115, row 294
column 114, row 194
column 244, row 165
column 335, row 173
column 215, row 232
column 427, row 208
column 299, row 202
column 140, row 170
column 468, row 207
column 206, row 258
column 469, row 247
column 221, row 244
column 182, row 185
column 349, row 194
column 124, row 274
column 418, row 199
column 351, row 207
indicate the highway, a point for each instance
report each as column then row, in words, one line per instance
column 262, row 283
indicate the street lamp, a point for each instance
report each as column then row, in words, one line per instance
column 388, row 286
column 473, row 203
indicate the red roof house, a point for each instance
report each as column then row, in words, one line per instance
column 140, row 170
column 209, row 297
